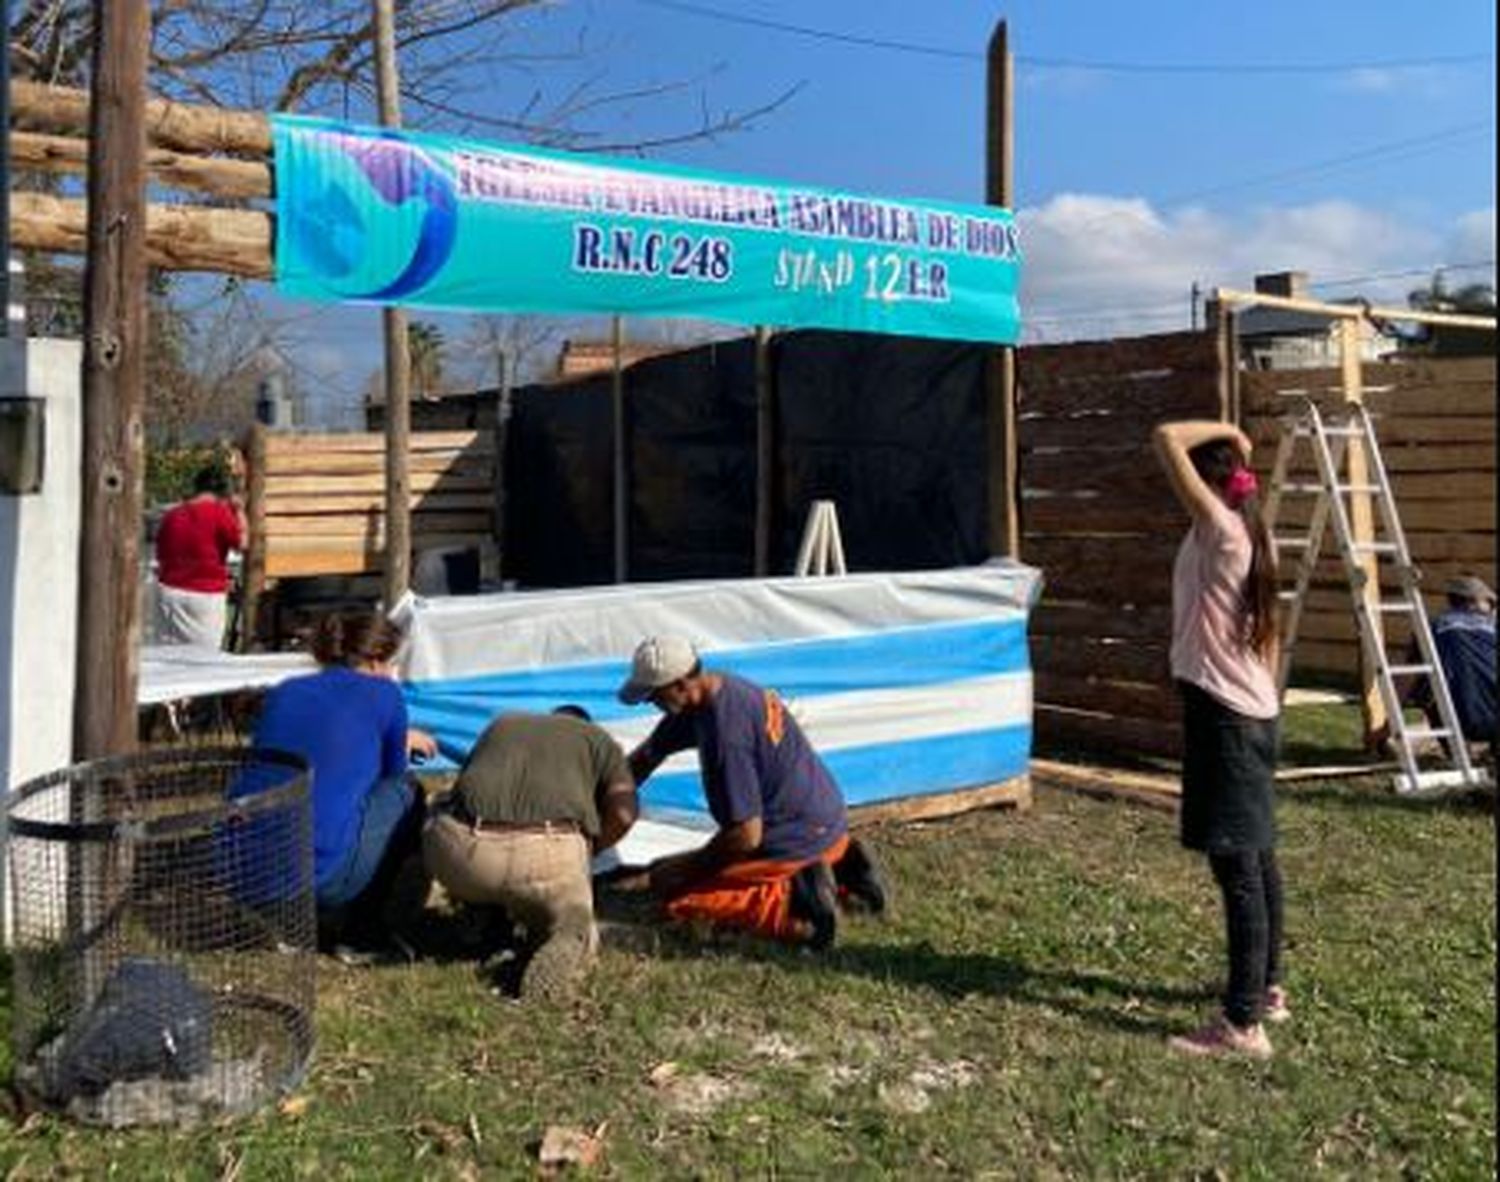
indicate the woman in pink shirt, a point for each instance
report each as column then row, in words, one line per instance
column 1224, row 648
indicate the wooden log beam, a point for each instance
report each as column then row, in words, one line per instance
column 177, row 170
column 1258, row 299
column 178, row 237
column 185, row 128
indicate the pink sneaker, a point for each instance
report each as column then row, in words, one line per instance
column 1222, row 1037
column 1277, row 1009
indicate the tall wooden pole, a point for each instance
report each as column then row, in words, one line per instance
column 1362, row 525
column 114, row 373
column 1004, row 465
column 397, row 352
column 621, row 496
column 765, row 451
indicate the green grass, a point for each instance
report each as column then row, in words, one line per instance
column 1008, row 1021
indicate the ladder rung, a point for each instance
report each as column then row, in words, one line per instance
column 1341, row 432
column 1427, row 732
column 1400, row 605
column 1409, row 670
column 1373, row 547
column 1287, row 596
column 1474, row 778
column 1304, row 486
column 1293, row 542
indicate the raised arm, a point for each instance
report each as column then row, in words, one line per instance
column 1173, row 442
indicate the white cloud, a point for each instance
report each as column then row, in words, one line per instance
column 1473, row 238
column 1099, row 266
column 1369, row 80
column 1403, row 81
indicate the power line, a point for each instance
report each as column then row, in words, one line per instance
column 1061, row 63
column 1159, row 309
column 1409, row 146
column 1413, row 273
column 1414, row 145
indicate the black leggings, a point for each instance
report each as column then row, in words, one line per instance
column 1251, row 884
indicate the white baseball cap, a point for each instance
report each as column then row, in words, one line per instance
column 658, row 661
column 1472, row 588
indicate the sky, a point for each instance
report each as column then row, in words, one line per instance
column 1156, row 144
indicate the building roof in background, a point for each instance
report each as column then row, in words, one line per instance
column 579, row 358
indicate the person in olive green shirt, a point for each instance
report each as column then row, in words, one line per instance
column 539, row 795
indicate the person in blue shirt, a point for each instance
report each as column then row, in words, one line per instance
column 1464, row 636
column 349, row 722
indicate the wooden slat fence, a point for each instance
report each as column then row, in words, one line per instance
column 1435, row 420
column 1099, row 519
column 316, row 501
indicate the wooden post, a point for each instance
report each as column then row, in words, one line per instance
column 621, row 489
column 1362, row 525
column 1219, row 319
column 397, row 353
column 255, row 553
column 1004, row 465
column 500, row 437
column 765, row 451
column 114, row 371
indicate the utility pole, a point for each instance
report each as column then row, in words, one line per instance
column 1194, row 295
column 1004, row 464
column 765, row 451
column 620, row 482
column 503, row 376
column 114, row 373
column 397, row 352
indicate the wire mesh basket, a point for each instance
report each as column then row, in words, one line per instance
column 163, row 931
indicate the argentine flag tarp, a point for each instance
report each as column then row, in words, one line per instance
column 907, row 684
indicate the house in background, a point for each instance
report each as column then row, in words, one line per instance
column 476, row 410
column 1280, row 338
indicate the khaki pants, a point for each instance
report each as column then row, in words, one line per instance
column 542, row 879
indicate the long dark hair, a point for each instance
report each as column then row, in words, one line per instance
column 1216, row 462
column 355, row 638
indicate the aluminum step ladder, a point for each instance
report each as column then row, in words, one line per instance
column 1329, row 441
column 822, row 548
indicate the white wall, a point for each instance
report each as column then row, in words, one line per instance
column 39, row 580
column 39, row 577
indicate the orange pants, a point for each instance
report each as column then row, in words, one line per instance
column 753, row 896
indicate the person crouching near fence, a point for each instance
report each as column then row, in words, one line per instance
column 782, row 860
column 349, row 722
column 1224, row 654
column 537, row 796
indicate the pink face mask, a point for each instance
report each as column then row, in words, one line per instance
column 1240, row 487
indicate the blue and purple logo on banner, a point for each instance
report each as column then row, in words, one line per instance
column 376, row 216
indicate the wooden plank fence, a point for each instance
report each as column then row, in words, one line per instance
column 1435, row 420
column 316, row 502
column 1099, row 519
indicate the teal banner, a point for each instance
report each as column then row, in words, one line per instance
column 366, row 215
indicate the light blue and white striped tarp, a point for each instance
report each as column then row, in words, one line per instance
column 907, row 684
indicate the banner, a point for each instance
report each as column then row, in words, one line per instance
column 367, row 215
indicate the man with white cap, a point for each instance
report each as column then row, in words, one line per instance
column 1465, row 638
column 782, row 857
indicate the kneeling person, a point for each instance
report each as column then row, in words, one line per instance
column 782, row 852
column 537, row 797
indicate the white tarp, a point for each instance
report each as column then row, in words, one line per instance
column 908, row 683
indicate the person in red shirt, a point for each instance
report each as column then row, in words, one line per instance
column 192, row 545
